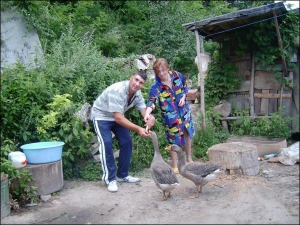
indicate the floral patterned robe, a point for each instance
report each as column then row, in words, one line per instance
column 175, row 118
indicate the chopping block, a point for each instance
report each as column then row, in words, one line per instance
column 236, row 157
column 48, row 177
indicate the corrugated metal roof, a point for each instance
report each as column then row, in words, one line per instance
column 211, row 27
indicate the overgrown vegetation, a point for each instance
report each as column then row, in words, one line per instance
column 221, row 79
column 22, row 188
column 274, row 126
column 204, row 139
column 86, row 45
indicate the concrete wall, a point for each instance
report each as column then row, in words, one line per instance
column 19, row 43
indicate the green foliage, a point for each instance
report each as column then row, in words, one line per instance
column 7, row 146
column 248, row 4
column 78, row 68
column 40, row 104
column 262, row 42
column 221, row 79
column 91, row 171
column 62, row 124
column 24, row 92
column 124, row 28
column 22, row 188
column 204, row 139
column 263, row 126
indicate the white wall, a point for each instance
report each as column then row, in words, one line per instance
column 18, row 43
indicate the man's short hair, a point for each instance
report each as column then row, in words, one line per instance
column 142, row 74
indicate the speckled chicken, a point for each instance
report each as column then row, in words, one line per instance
column 162, row 172
column 199, row 173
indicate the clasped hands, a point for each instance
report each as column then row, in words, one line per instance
column 150, row 121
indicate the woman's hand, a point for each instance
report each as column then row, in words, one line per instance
column 146, row 117
column 182, row 101
column 150, row 122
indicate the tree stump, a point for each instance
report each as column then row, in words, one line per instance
column 236, row 157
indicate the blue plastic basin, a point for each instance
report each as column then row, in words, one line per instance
column 43, row 152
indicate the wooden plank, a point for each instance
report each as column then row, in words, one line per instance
column 271, row 95
column 240, row 104
column 243, row 69
column 291, row 78
column 257, row 103
column 232, row 99
column 251, row 90
column 287, row 104
column 237, row 58
column 277, row 67
column 247, row 101
column 266, row 80
column 269, row 67
column 264, row 105
column 239, row 101
column 273, row 106
column 238, row 117
column 245, row 86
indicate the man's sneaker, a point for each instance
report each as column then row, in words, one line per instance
column 112, row 186
column 128, row 179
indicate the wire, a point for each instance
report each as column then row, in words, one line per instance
column 242, row 26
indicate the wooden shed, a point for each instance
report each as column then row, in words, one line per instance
column 259, row 91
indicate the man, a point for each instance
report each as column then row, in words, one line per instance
column 107, row 114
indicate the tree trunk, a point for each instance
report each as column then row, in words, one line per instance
column 237, row 157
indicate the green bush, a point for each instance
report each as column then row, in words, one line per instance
column 204, row 139
column 220, row 79
column 275, row 126
column 92, row 171
column 40, row 103
column 24, row 94
column 61, row 124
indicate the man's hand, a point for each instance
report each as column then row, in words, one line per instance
column 143, row 132
column 150, row 121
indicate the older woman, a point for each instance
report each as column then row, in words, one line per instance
column 170, row 90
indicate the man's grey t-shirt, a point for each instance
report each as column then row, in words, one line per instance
column 115, row 99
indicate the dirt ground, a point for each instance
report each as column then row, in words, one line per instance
column 271, row 197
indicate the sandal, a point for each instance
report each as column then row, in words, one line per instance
column 175, row 170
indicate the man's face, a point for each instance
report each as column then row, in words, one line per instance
column 135, row 83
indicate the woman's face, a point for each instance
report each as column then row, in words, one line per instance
column 163, row 72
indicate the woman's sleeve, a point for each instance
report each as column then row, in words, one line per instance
column 184, row 83
column 153, row 93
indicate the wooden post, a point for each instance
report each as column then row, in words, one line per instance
column 282, row 55
column 201, row 80
column 251, row 91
